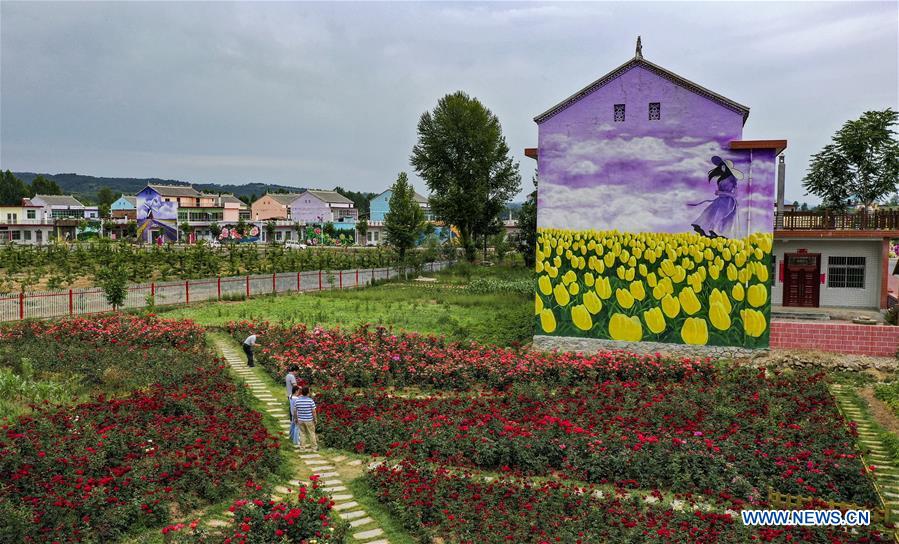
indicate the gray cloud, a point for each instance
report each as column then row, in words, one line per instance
column 315, row 94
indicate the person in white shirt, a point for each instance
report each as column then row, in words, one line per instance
column 248, row 348
column 291, row 381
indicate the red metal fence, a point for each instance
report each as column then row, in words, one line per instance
column 92, row 300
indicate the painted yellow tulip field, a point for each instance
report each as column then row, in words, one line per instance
column 659, row 287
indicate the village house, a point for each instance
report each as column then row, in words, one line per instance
column 272, row 206
column 25, row 224
column 124, row 208
column 820, row 259
column 319, row 206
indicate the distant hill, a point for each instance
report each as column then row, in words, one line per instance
column 87, row 186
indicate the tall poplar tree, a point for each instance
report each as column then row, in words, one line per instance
column 405, row 221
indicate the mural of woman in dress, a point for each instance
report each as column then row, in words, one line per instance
column 717, row 219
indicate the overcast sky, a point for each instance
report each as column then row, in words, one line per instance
column 317, row 95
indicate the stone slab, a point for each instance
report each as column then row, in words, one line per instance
column 346, row 505
column 361, row 521
column 352, row 515
column 365, row 535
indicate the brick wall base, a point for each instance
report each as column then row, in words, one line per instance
column 849, row 338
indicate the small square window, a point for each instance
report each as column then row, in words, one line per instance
column 619, row 113
column 655, row 111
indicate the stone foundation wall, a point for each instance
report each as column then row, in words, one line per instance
column 595, row 345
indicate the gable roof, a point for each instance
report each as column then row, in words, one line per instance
column 418, row 198
column 131, row 199
column 59, row 200
column 283, row 198
column 331, row 197
column 639, row 61
column 175, row 190
column 227, row 197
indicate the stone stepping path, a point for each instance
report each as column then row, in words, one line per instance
column 873, row 450
column 364, row 529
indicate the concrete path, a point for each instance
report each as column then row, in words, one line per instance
column 363, row 527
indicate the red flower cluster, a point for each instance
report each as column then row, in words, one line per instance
column 377, row 356
column 436, row 501
column 92, row 471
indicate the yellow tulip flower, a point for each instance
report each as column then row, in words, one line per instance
column 629, row 274
column 603, row 288
column 679, row 274
column 651, row 279
column 761, row 272
column 731, row 272
column 562, row 296
column 714, row 271
column 539, row 266
column 609, row 259
column 719, row 316
column 688, row 301
column 620, row 271
column 659, row 291
column 552, row 271
column 545, row 285
column 654, row 320
column 738, row 292
column 636, row 289
column 743, row 275
column 695, row 331
column 753, row 322
column 588, row 279
column 740, row 258
column 757, row 295
column 670, row 306
column 538, row 304
column 624, row 328
column 569, row 277
column 592, row 302
column 574, row 289
column 581, row 317
column 547, row 320
column 557, row 261
column 625, row 298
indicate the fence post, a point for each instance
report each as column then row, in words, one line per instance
column 248, row 286
column 340, row 273
column 219, row 288
column 274, row 289
column 153, row 290
column 71, row 302
column 21, row 305
column 319, row 279
column 187, row 291
column 298, row 282
column 357, row 277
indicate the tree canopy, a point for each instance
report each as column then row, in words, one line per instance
column 405, row 221
column 463, row 157
column 527, row 227
column 860, row 165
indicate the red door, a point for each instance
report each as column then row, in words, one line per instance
column 802, row 279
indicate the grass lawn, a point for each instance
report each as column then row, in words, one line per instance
column 493, row 313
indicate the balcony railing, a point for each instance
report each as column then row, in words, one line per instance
column 827, row 220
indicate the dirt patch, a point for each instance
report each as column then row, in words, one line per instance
column 880, row 411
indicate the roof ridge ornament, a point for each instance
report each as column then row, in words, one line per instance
column 639, row 53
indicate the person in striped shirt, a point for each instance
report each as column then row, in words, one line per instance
column 304, row 413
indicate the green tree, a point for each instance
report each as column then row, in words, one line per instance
column 362, row 229
column 43, row 186
column 405, row 221
column 463, row 157
column 527, row 228
column 270, row 231
column 185, row 230
column 329, row 230
column 860, row 165
column 12, row 190
column 114, row 282
column 105, row 198
column 215, row 229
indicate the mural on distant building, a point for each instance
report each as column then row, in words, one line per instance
column 155, row 217
column 650, row 227
column 231, row 233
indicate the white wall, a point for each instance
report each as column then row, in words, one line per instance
column 869, row 297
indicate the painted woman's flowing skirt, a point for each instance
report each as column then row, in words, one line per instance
column 718, row 217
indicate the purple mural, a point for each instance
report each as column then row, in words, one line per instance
column 641, row 185
column 155, row 217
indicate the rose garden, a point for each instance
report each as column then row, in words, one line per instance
column 155, row 434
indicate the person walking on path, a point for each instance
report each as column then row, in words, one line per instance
column 307, row 416
column 291, row 382
column 248, row 348
column 294, row 424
